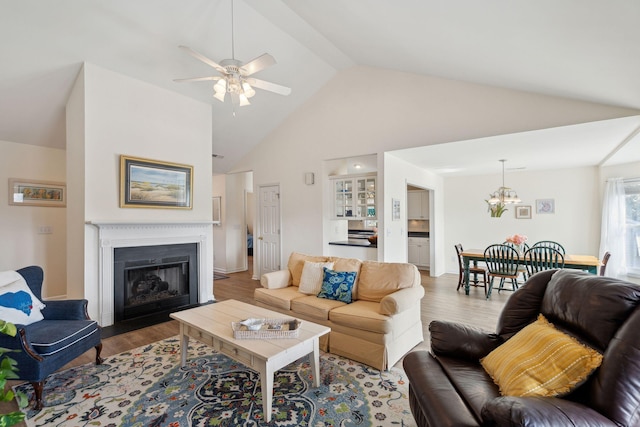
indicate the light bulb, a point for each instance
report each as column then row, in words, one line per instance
column 243, row 100
column 221, row 86
column 220, row 96
column 248, row 90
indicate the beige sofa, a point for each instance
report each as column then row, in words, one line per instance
column 381, row 324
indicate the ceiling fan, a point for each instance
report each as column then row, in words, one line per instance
column 235, row 77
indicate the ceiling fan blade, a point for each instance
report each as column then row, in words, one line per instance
column 198, row 79
column 271, row 87
column 204, row 59
column 260, row 63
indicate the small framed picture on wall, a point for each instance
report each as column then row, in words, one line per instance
column 545, row 206
column 523, row 212
column 395, row 208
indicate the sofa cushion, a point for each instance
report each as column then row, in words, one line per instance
column 312, row 277
column 18, row 304
column 296, row 264
column 317, row 308
column 278, row 298
column 337, row 285
column 540, row 361
column 349, row 264
column 363, row 315
column 378, row 279
column 592, row 307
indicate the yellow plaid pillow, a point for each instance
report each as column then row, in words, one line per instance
column 540, row 361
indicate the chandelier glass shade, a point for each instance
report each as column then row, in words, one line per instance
column 503, row 195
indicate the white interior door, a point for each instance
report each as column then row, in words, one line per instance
column 267, row 244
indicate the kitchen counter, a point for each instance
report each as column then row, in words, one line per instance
column 363, row 243
column 418, row 234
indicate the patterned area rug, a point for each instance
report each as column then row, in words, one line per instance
column 146, row 387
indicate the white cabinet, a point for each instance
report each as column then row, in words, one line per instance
column 418, row 251
column 354, row 197
column 418, row 204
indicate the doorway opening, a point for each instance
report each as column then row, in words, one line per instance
column 419, row 213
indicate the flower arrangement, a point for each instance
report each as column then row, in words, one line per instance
column 496, row 209
column 517, row 239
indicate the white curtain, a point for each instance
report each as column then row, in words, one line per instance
column 612, row 236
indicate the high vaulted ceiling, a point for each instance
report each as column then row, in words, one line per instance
column 582, row 49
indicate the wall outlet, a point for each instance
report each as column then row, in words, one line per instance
column 45, row 229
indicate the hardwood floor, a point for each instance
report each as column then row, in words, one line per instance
column 441, row 301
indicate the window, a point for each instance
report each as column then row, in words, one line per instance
column 632, row 229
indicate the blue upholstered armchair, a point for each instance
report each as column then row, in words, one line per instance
column 45, row 346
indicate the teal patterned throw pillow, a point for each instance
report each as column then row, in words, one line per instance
column 337, row 285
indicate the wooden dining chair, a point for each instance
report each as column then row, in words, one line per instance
column 502, row 261
column 476, row 270
column 550, row 244
column 540, row 258
column 521, row 268
column 605, row 260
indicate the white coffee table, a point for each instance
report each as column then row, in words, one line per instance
column 211, row 324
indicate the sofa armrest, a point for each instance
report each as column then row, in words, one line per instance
column 66, row 310
column 548, row 411
column 432, row 396
column 461, row 341
column 401, row 300
column 276, row 279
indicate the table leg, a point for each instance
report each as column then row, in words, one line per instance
column 266, row 384
column 466, row 275
column 314, row 361
column 184, row 344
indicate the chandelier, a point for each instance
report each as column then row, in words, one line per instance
column 502, row 196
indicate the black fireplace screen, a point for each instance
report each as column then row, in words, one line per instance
column 149, row 279
column 146, row 284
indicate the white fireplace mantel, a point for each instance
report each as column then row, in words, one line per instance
column 113, row 235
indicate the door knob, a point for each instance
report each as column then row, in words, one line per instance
column 260, row 238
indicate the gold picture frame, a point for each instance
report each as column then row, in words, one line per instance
column 28, row 192
column 146, row 183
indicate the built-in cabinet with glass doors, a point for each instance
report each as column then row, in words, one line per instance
column 355, row 197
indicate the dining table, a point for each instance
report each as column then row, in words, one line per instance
column 588, row 263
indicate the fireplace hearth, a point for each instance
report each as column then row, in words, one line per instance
column 153, row 279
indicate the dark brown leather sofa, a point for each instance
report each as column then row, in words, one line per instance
column 449, row 387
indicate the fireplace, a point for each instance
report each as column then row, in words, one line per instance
column 152, row 279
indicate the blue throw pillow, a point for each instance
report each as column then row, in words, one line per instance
column 337, row 285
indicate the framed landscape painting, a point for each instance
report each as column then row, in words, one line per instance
column 27, row 192
column 146, row 183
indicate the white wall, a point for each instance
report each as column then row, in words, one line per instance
column 397, row 174
column 371, row 111
column 627, row 170
column 219, row 234
column 230, row 247
column 109, row 115
column 575, row 223
column 22, row 245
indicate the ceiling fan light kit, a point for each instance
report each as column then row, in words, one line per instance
column 234, row 78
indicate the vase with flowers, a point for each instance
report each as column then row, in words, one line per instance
column 518, row 241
